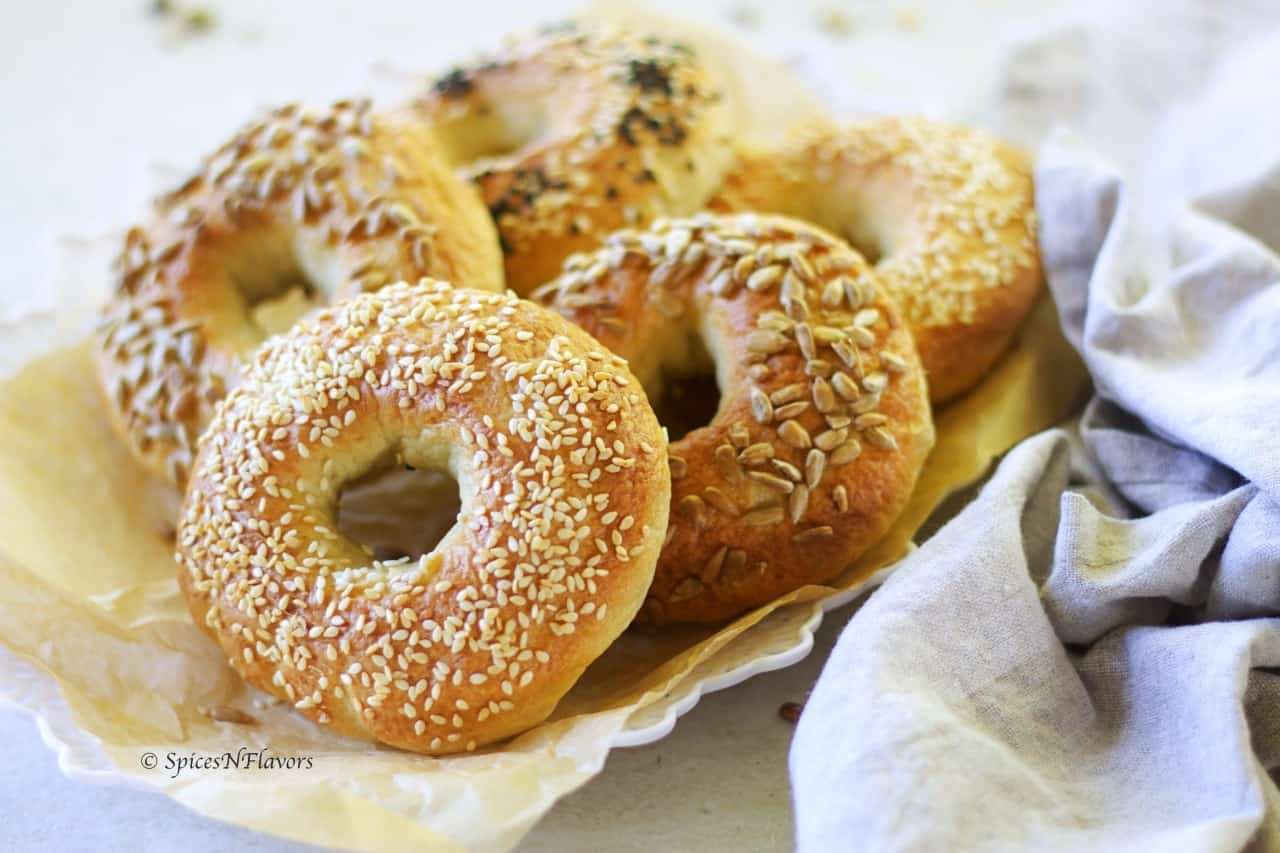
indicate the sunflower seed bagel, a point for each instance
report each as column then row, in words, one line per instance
column 947, row 213
column 344, row 200
column 823, row 422
column 573, row 132
column 564, row 487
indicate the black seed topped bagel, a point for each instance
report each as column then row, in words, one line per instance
column 574, row 132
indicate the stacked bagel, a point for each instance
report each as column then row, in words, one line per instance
column 506, row 274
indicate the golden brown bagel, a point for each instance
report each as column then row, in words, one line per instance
column 345, row 200
column 574, row 132
column 823, row 422
column 948, row 213
column 562, row 470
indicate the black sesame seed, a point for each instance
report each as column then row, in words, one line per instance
column 455, row 84
column 648, row 76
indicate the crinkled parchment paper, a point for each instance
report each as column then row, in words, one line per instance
column 95, row 639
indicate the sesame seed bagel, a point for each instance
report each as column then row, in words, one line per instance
column 345, row 200
column 948, row 212
column 564, row 485
column 823, row 422
column 572, row 133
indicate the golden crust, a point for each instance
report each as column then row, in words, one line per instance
column 949, row 213
column 824, row 419
column 347, row 199
column 573, row 133
column 563, row 476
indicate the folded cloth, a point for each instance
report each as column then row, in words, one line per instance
column 1079, row 660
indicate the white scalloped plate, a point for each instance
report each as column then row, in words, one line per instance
column 796, row 624
column 80, row 759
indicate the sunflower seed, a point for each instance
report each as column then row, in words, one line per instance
column 818, row 367
column 882, row 438
column 845, row 387
column 787, row 470
column 795, row 435
column 756, row 453
column 802, row 266
column 764, row 278
column 691, row 505
column 893, row 362
column 735, row 567
column 761, row 408
column 663, row 274
column 788, row 393
column 720, row 501
column 402, row 214
column 686, row 589
column 841, row 497
column 793, row 299
column 813, row 534
column 871, row 419
column 823, row 397
column 724, row 284
column 711, row 568
column 875, row 383
column 848, row 355
column 770, row 481
column 866, row 317
column 679, row 468
column 832, row 293
column 830, row 439
column 677, row 240
column 766, row 515
column 775, row 320
column 765, row 341
column 827, row 335
column 866, row 404
column 815, row 465
column 727, row 463
column 791, row 410
column 798, row 503
column 862, row 336
column 846, row 453
column 804, row 337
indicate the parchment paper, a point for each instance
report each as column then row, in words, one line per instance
column 88, row 596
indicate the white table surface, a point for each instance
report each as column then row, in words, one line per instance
column 92, row 92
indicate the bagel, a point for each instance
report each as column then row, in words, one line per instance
column 947, row 213
column 572, row 133
column 345, row 200
column 565, row 489
column 823, row 421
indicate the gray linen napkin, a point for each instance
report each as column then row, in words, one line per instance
column 1080, row 660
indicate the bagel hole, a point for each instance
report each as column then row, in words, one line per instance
column 689, row 395
column 864, row 240
column 491, row 132
column 687, row 403
column 278, row 310
column 397, row 511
